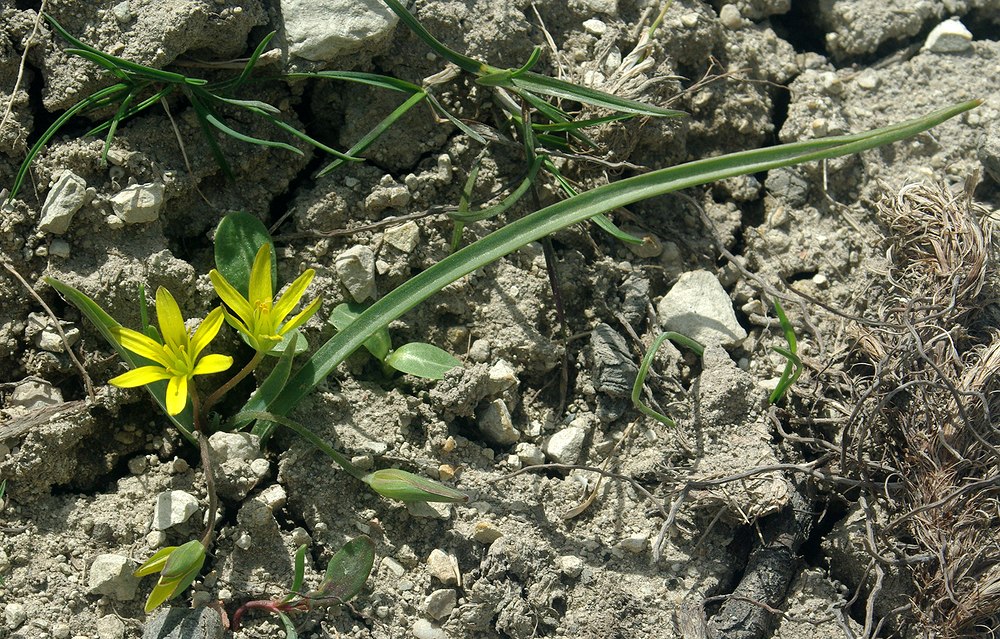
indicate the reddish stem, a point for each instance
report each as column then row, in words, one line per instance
column 269, row 605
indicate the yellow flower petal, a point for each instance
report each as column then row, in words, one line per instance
column 168, row 316
column 228, row 294
column 302, row 317
column 207, row 331
column 140, row 377
column 212, row 364
column 141, row 345
column 260, row 276
column 292, row 296
column 177, row 390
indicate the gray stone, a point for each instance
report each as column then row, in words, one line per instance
column 320, row 30
column 950, row 36
column 139, row 203
column 529, row 454
column 496, row 425
column 59, row 248
column 184, row 623
column 234, row 446
column 44, row 335
column 404, row 237
column 15, row 615
column 110, row 627
column 423, row 629
column 730, row 17
column 62, row 202
column 440, row 603
column 173, row 507
column 32, row 394
column 566, row 446
column 443, row 567
column 698, row 307
column 111, row 575
column 614, row 371
column 356, row 269
column 989, row 150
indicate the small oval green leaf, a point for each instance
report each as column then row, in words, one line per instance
column 422, row 360
column 348, row 570
column 237, row 239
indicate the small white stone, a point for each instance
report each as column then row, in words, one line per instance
column 479, row 352
column 356, row 269
column 300, row 537
column 636, row 543
column 404, row 237
column 423, row 629
column 313, row 35
column 689, row 20
column 440, row 603
column 61, row 631
column 244, row 541
column 496, row 425
column 62, row 202
column 139, row 203
column 570, row 565
column 485, row 532
column 15, row 615
column 698, row 307
column 156, row 539
column 566, row 446
column 114, row 222
column 950, row 36
column 595, row 27
column 227, row 446
column 867, row 79
column 111, row 575
column 730, row 17
column 274, row 496
column 502, row 376
column 110, row 627
column 443, row 567
column 529, row 454
column 173, row 507
column 32, row 395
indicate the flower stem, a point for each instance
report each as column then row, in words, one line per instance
column 214, row 398
column 207, row 468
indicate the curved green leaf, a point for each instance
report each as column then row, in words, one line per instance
column 423, row 360
column 347, row 571
column 237, row 239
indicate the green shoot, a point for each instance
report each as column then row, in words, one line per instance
column 793, row 364
column 647, row 361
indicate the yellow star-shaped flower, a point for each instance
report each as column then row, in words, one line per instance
column 260, row 318
column 177, row 357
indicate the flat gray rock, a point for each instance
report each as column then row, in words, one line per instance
column 184, row 623
column 698, row 307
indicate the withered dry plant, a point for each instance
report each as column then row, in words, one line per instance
column 922, row 409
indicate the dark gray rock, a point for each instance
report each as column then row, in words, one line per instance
column 184, row 623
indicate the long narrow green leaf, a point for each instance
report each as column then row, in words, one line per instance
column 380, row 128
column 214, row 120
column 209, row 132
column 509, row 201
column 601, row 220
column 584, row 206
column 371, row 79
column 104, row 323
column 252, row 60
column 113, row 124
column 142, row 106
column 288, row 128
column 80, row 106
column 561, row 89
column 110, row 62
column 463, row 62
column 271, row 387
column 462, row 126
column 647, row 361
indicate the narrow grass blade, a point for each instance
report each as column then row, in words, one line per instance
column 299, row 574
column 80, row 106
column 266, row 418
column 142, row 106
column 574, row 125
column 289, row 626
column 209, row 132
column 284, row 126
column 370, row 137
column 214, row 120
column 556, row 115
column 601, row 220
column 474, row 216
column 113, row 124
column 252, row 61
column 371, row 79
column 793, row 364
column 584, row 206
column 647, row 361
column 462, row 126
column 104, row 323
column 463, row 62
column 115, row 64
column 553, row 87
column 255, row 105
